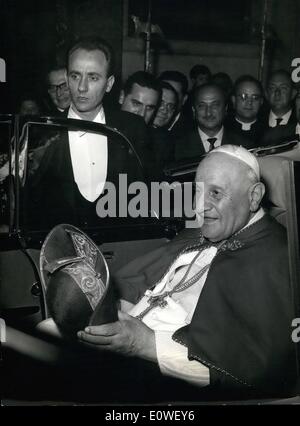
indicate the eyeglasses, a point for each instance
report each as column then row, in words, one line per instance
column 63, row 87
column 245, row 97
column 170, row 107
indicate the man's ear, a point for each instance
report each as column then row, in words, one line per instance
column 233, row 100
column 121, row 97
column 256, row 193
column 110, row 83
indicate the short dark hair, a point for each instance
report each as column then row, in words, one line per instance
column 168, row 86
column 199, row 70
column 94, row 43
column 143, row 79
column 177, row 76
column 247, row 78
column 208, row 86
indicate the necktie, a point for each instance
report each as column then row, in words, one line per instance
column 278, row 121
column 211, row 142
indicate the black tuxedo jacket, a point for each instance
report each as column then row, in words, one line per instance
column 192, row 145
column 54, row 195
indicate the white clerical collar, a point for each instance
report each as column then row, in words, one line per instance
column 204, row 137
column 245, row 126
column 284, row 118
column 297, row 131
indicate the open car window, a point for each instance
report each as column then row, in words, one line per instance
column 47, row 187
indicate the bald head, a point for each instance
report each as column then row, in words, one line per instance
column 231, row 195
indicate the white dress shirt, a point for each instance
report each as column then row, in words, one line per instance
column 173, row 357
column 89, row 157
column 297, row 131
column 284, row 121
column 204, row 137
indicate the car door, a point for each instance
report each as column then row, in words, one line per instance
column 31, row 208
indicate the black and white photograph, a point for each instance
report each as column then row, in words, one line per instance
column 149, row 205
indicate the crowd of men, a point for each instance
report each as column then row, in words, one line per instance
column 180, row 124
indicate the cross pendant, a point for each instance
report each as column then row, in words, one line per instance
column 158, row 301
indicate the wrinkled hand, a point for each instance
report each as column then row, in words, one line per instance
column 128, row 336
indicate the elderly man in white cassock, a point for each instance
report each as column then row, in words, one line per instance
column 212, row 307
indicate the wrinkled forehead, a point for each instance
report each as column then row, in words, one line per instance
column 94, row 58
column 148, row 94
column 210, row 94
column 168, row 95
column 248, row 87
column 280, row 78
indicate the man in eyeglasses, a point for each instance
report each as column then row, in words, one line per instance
column 58, row 89
column 247, row 99
column 162, row 140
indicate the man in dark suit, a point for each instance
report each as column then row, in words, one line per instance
column 280, row 94
column 76, row 166
column 181, row 121
column 58, row 90
column 209, row 108
column 162, row 141
column 247, row 99
column 141, row 95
